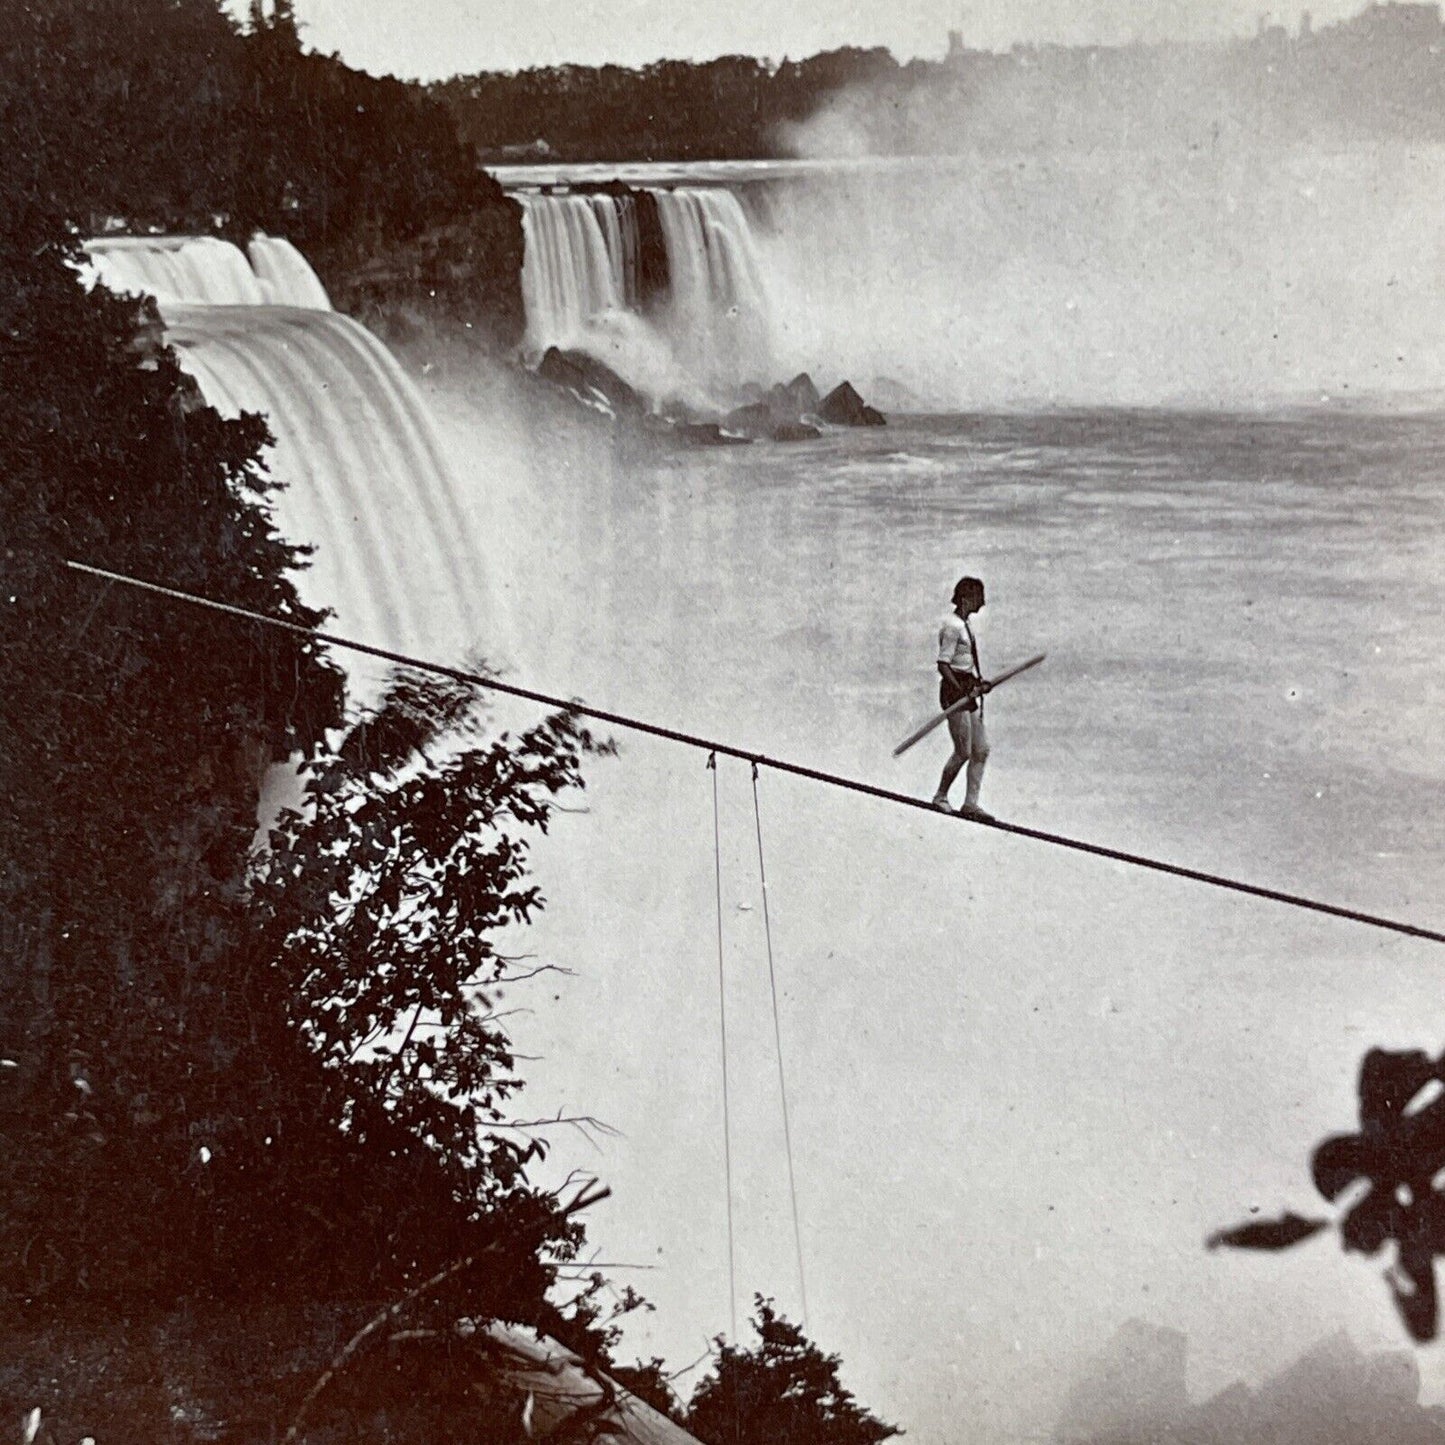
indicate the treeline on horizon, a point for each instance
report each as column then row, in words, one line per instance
column 1378, row 75
column 734, row 107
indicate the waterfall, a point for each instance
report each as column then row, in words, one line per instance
column 204, row 270
column 580, row 263
column 397, row 546
column 718, row 303
column 582, row 275
column 175, row 269
column 285, row 274
column 397, row 543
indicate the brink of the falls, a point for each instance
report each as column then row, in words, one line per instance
column 399, row 549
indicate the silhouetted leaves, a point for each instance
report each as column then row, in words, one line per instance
column 1278, row 1233
column 1395, row 1160
column 164, row 114
column 272, row 1090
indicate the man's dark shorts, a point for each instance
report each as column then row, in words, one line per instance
column 948, row 694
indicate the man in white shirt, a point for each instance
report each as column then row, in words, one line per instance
column 960, row 677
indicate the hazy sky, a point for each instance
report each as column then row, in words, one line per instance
column 435, row 38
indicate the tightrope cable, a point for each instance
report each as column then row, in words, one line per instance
column 778, row 1041
column 781, row 765
column 722, row 1013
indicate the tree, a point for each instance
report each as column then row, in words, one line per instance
column 784, row 1390
column 244, row 1101
column 246, row 1104
column 374, row 914
column 651, row 1383
column 133, row 742
column 207, row 1182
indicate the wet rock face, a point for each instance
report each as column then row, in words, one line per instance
column 844, row 407
column 589, row 379
column 754, row 420
column 799, row 395
column 707, row 434
column 785, row 412
column 760, row 420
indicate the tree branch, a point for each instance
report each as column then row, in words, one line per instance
column 589, row 1194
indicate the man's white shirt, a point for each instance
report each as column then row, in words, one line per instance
column 956, row 644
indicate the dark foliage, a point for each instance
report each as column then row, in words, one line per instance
column 373, row 915
column 132, row 745
column 1288, row 1229
column 650, row 1382
column 273, row 1098
column 785, row 1389
column 1398, row 1154
column 731, row 107
column 1379, row 75
column 244, row 1105
column 163, row 115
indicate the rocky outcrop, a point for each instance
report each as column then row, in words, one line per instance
column 590, row 381
column 753, row 420
column 844, row 407
column 785, row 412
column 466, row 275
column 777, row 413
column 799, row 396
column 707, row 434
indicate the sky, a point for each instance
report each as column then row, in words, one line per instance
column 432, row 39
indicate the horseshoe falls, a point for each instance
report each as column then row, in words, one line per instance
column 663, row 277
column 977, row 280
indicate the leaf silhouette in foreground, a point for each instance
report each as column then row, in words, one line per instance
column 1391, row 1163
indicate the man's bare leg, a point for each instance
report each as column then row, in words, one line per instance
column 977, row 760
column 959, row 731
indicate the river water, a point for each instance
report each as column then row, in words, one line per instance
column 1024, row 1084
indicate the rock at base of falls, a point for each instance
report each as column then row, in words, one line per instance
column 589, row 378
column 844, row 407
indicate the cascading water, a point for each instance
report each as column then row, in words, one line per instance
column 582, row 283
column 177, row 269
column 397, row 544
column 286, row 276
column 580, row 253
column 718, row 307
column 204, row 270
column 366, row 482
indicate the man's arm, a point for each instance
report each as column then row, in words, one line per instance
column 965, row 682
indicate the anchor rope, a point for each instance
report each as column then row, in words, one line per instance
column 722, row 1013
column 781, row 765
column 778, row 1042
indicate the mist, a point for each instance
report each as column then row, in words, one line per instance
column 1156, row 234
column 1025, row 1089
